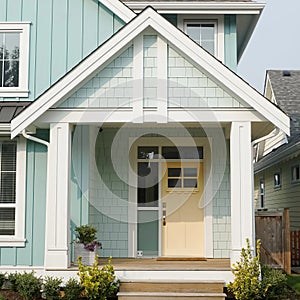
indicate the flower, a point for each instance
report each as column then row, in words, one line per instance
column 91, row 246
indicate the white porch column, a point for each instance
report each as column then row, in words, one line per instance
column 241, row 177
column 57, row 205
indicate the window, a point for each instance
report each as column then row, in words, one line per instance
column 14, row 50
column 262, row 192
column 295, row 174
column 203, row 33
column 12, row 193
column 277, row 180
column 182, row 178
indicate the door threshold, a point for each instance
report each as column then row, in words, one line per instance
column 180, row 258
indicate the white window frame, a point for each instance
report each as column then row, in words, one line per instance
column 18, row 239
column 183, row 20
column 277, row 186
column 23, row 28
column 294, row 180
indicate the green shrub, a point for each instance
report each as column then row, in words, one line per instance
column 98, row 283
column 274, row 282
column 2, row 279
column 29, row 286
column 246, row 284
column 51, row 288
column 73, row 289
column 12, row 278
column 253, row 281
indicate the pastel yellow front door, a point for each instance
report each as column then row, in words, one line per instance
column 182, row 209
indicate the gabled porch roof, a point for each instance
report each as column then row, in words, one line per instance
column 149, row 18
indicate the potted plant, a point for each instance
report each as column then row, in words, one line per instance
column 86, row 244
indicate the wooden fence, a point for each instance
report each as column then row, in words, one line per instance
column 272, row 228
column 295, row 248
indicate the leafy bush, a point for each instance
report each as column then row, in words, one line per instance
column 253, row 281
column 274, row 282
column 52, row 288
column 98, row 283
column 12, row 278
column 73, row 289
column 2, row 279
column 29, row 286
column 246, row 284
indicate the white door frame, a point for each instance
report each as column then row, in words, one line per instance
column 134, row 143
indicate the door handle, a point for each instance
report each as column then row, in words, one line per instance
column 164, row 214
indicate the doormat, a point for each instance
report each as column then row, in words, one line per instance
column 171, row 258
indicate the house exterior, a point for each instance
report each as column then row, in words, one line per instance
column 277, row 170
column 130, row 118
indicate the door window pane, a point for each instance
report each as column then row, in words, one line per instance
column 190, row 183
column 190, row 172
column 174, row 172
column 147, row 184
column 174, row 183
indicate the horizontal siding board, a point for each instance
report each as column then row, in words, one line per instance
column 287, row 196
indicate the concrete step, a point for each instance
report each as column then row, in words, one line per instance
column 172, row 286
column 169, row 296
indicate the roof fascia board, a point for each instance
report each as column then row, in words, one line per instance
column 288, row 153
column 251, row 8
column 181, row 42
column 119, row 9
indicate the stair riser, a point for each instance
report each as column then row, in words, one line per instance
column 172, row 287
column 169, row 298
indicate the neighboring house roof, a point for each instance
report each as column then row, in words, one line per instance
column 9, row 110
column 149, row 18
column 285, row 87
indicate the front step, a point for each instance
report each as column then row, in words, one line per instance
column 171, row 289
column 169, row 296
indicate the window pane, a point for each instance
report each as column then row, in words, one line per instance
column 174, row 172
column 8, row 157
column 193, row 31
column 190, row 172
column 182, row 152
column 12, row 45
column 174, row 183
column 207, row 32
column 209, row 46
column 8, row 187
column 147, row 152
column 7, row 221
column 190, row 183
column 148, row 184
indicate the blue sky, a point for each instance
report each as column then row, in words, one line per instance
column 275, row 43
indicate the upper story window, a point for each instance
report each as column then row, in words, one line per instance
column 203, row 33
column 295, row 174
column 14, row 51
column 277, row 180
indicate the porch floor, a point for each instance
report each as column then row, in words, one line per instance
column 152, row 264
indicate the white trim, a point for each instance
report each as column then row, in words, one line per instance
column 57, row 233
column 24, row 29
column 162, row 79
column 18, row 239
column 94, row 116
column 218, row 21
column 85, row 70
column 138, row 80
column 118, row 8
column 135, row 142
column 196, row 6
